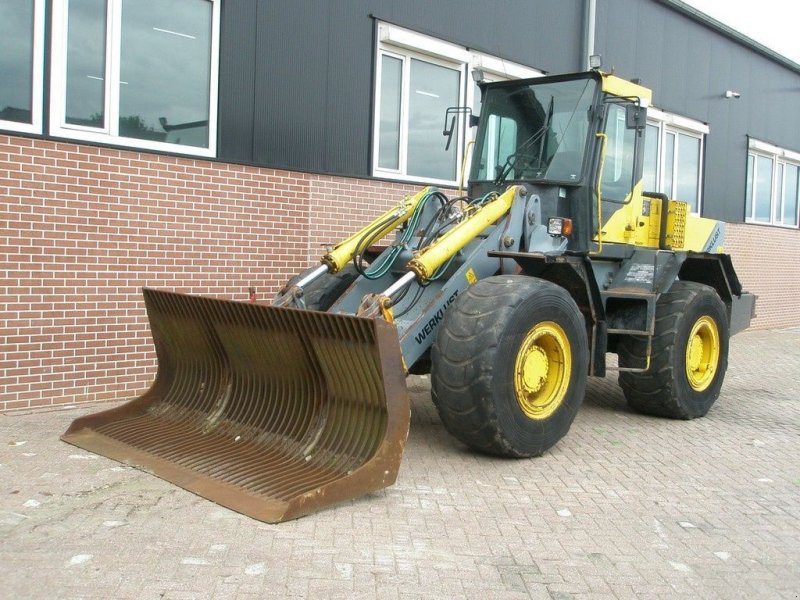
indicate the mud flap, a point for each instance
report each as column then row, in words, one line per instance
column 272, row 412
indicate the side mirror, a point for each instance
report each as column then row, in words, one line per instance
column 450, row 128
column 635, row 116
column 448, row 131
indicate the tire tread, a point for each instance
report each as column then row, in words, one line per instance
column 467, row 342
column 655, row 392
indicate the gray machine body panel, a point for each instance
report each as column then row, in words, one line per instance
column 621, row 286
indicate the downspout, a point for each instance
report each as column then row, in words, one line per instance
column 589, row 20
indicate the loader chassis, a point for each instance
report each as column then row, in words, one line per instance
column 511, row 295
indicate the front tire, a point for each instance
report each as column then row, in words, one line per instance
column 689, row 355
column 509, row 366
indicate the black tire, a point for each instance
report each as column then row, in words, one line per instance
column 665, row 389
column 475, row 358
column 321, row 293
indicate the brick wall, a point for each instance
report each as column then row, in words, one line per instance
column 340, row 206
column 86, row 228
column 767, row 261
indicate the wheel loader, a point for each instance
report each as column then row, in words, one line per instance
column 511, row 295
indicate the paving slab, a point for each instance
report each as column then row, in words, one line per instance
column 625, row 506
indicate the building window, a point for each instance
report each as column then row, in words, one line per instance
column 418, row 79
column 673, row 157
column 411, row 116
column 22, row 35
column 140, row 73
column 773, row 182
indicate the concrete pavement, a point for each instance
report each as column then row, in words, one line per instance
column 625, row 506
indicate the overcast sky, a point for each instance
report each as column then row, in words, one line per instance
column 773, row 23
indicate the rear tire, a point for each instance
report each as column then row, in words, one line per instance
column 689, row 355
column 509, row 366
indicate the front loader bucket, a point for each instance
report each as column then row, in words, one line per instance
column 272, row 412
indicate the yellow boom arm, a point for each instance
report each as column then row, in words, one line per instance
column 438, row 253
column 343, row 252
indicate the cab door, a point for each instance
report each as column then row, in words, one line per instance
column 626, row 217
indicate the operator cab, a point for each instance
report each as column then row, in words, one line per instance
column 569, row 139
column 534, row 131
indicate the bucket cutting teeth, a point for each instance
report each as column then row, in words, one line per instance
column 272, row 412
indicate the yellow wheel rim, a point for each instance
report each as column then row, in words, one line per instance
column 542, row 370
column 702, row 354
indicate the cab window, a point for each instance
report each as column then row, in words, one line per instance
column 619, row 156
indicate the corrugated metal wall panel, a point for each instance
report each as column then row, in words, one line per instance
column 539, row 33
column 291, row 78
column 237, row 75
column 349, row 88
column 308, row 102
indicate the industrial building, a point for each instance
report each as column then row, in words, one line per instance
column 211, row 146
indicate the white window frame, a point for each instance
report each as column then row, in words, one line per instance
column 110, row 134
column 35, row 126
column 405, row 77
column 670, row 123
column 779, row 202
column 404, row 44
column 780, row 157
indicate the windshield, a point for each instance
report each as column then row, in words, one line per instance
column 534, row 131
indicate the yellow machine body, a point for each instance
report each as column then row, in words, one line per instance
column 639, row 220
column 639, row 223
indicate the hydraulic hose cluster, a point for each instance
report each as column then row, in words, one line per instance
column 446, row 216
column 376, row 231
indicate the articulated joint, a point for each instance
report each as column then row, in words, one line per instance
column 425, row 264
column 292, row 293
column 290, row 296
column 376, row 305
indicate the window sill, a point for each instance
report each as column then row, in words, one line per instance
column 400, row 178
column 132, row 143
column 765, row 224
column 13, row 126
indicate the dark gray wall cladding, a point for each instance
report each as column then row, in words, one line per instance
column 296, row 75
column 291, row 81
column 689, row 66
column 237, row 80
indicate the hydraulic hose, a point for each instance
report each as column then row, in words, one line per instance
column 343, row 253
